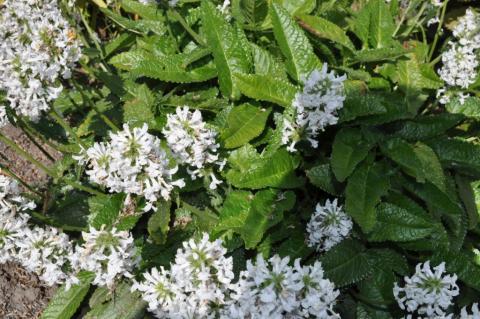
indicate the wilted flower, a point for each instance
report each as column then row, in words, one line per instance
column 427, row 292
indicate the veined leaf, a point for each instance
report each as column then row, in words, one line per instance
column 150, row 12
column 325, row 29
column 244, row 123
column 158, row 223
column 381, row 24
column 458, row 154
column 461, row 264
column 143, row 26
column 301, row 60
column 297, row 6
column 426, row 127
column 229, row 46
column 266, row 88
column 349, row 148
column 252, row 12
column 266, row 64
column 234, row 211
column 65, row 303
column 104, row 209
column 322, row 177
column 470, row 107
column 398, row 224
column 364, row 190
column 277, row 170
column 375, row 55
column 346, row 263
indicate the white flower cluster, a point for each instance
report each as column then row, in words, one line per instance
column 197, row 283
column 274, row 289
column 328, row 226
column 192, row 142
column 475, row 312
column 200, row 285
column 316, row 107
column 109, row 254
column 44, row 251
column 132, row 162
column 427, row 292
column 38, row 47
column 460, row 61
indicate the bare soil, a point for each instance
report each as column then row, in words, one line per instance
column 22, row 294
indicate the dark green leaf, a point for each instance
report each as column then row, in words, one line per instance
column 322, row 177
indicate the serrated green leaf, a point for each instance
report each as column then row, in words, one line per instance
column 294, row 44
column 143, row 26
column 229, row 47
column 389, row 259
column 322, row 177
column 139, row 109
column 382, row 26
column 376, row 55
column 325, row 29
column 470, row 107
column 426, row 127
column 65, row 303
column 266, row 64
column 378, row 288
column 364, row 190
column 150, row 12
column 348, row 150
column 234, row 211
column 252, row 12
column 244, row 123
column 417, row 160
column 158, row 223
column 104, row 209
column 346, row 263
column 467, row 194
column 124, row 304
column 277, row 170
column 397, row 224
column 295, row 7
column 359, row 105
column 266, row 88
column 458, row 154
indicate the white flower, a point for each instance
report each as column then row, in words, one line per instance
column 274, row 289
column 11, row 200
column 12, row 230
column 475, row 312
column 467, row 31
column 197, row 284
column 38, row 48
column 3, row 116
column 146, row 2
column 191, row 142
column 45, row 251
column 459, row 66
column 328, row 226
column 132, row 162
column 427, row 292
column 109, row 254
column 316, row 107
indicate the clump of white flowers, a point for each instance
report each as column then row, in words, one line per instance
column 109, row 254
column 197, row 284
column 460, row 61
column 11, row 199
column 193, row 143
column 38, row 48
column 134, row 163
column 427, row 292
column 328, row 226
column 475, row 312
column 12, row 231
column 274, row 289
column 315, row 107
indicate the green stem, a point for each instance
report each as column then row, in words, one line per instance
column 187, row 28
column 439, row 27
column 53, row 113
column 38, row 145
column 27, row 127
column 21, row 181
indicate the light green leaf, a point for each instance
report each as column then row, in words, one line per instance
column 325, row 29
column 252, row 12
column 266, row 88
column 294, row 44
column 382, row 26
column 65, row 303
column 244, row 123
column 349, row 148
column 104, row 209
column 364, row 190
column 266, row 64
column 229, row 46
column 346, row 263
column 234, row 211
column 158, row 223
column 139, row 109
column 143, row 26
column 470, row 107
column 398, row 224
column 295, row 7
column 375, row 55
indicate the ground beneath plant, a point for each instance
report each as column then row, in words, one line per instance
column 22, row 295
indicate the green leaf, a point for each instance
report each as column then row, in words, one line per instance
column 266, row 64
column 348, row 150
column 378, row 287
column 346, row 263
column 277, row 170
column 65, row 303
column 458, row 154
column 150, row 12
column 467, row 194
column 376, row 55
column 158, row 223
column 295, row 7
column 229, row 46
column 470, row 107
column 398, row 224
column 426, row 127
column 364, row 190
column 382, row 26
column 322, row 177
column 417, row 160
column 124, row 304
column 266, row 88
column 143, row 26
column 104, row 209
column 294, row 44
column 358, row 105
column 139, row 110
column 461, row 264
column 234, row 211
column 325, row 29
column 253, row 12
column 244, row 123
